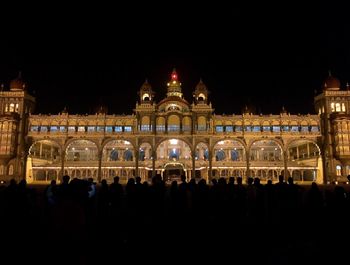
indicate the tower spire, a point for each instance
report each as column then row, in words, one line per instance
column 174, row 86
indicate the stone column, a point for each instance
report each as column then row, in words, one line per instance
column 210, row 173
column 285, row 164
column 136, row 163
column 99, row 172
column 193, row 164
column 297, row 152
column 153, row 163
column 63, row 157
column 248, row 165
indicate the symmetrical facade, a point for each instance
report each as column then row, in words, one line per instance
column 174, row 137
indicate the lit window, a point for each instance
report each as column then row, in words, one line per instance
column 127, row 128
column 294, row 128
column 304, row 128
column 238, row 128
column 160, row 128
column 314, row 128
column 256, row 129
column 145, row 128
column 118, row 128
column 201, row 127
column 6, row 107
column 81, row 129
column 343, row 107
column 34, row 128
column 173, row 128
column 229, row 129
column 248, row 128
column 219, row 129
column 266, row 128
column 11, row 170
column 91, row 128
column 100, row 128
column 53, row 129
column 109, row 129
column 71, row 129
column 62, row 128
column 338, row 170
column 16, row 107
column 186, row 127
column 276, row 128
column 332, row 107
column 12, row 107
column 337, row 107
column 43, row 128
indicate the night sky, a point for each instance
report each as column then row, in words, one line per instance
column 266, row 55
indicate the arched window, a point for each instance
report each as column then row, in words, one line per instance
column 145, row 124
column 2, row 169
column 202, row 123
column 343, row 107
column 11, row 170
column 12, row 107
column 337, row 107
column 173, row 123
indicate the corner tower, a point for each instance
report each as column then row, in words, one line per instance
column 16, row 104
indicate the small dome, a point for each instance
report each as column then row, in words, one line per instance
column 201, row 86
column 146, row 85
column 17, row 83
column 332, row 83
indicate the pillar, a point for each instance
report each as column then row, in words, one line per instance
column 40, row 149
column 136, row 162
column 297, row 152
column 153, row 163
column 308, row 149
column 193, row 164
column 99, row 172
column 248, row 166
column 285, row 163
column 210, row 173
column 63, row 157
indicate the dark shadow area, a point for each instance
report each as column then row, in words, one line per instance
column 79, row 222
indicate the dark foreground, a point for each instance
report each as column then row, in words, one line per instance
column 221, row 224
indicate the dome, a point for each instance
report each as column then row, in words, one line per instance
column 201, row 86
column 332, row 83
column 146, row 86
column 17, row 83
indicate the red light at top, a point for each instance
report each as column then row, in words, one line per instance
column 174, row 75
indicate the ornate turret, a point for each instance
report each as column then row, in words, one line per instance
column 200, row 94
column 146, row 93
column 331, row 82
column 174, row 86
column 17, row 84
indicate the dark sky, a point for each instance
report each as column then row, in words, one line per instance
column 266, row 55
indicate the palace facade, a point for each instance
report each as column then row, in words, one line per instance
column 173, row 137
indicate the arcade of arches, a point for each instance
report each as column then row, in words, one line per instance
column 172, row 157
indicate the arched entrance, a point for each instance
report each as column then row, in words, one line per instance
column 173, row 171
column 43, row 162
column 175, row 152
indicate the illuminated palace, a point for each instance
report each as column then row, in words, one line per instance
column 173, row 137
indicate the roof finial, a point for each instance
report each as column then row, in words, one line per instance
column 174, row 75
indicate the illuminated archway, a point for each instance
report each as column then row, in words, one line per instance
column 229, row 150
column 118, row 150
column 174, row 150
column 266, row 150
column 82, row 150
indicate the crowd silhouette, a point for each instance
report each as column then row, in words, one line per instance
column 81, row 222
